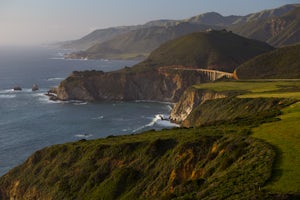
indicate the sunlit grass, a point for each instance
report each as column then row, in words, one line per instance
column 250, row 86
column 291, row 95
column 285, row 136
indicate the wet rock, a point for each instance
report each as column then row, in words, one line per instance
column 35, row 87
column 17, row 88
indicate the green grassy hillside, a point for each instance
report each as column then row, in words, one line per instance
column 282, row 134
column 219, row 50
column 172, row 164
column 218, row 160
column 280, row 63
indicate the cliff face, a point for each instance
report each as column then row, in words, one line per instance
column 198, row 107
column 191, row 98
column 155, row 84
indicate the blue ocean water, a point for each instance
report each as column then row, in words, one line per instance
column 29, row 121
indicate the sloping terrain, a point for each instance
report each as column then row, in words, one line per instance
column 280, row 63
column 138, row 43
column 219, row 50
column 248, row 26
column 275, row 30
column 201, row 163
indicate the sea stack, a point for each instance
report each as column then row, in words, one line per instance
column 17, row 88
column 35, row 87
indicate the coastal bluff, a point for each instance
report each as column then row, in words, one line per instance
column 161, row 84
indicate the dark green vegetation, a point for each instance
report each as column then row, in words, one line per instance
column 219, row 50
column 282, row 133
column 280, row 63
column 208, row 163
column 138, row 43
column 218, row 160
column 235, row 109
column 275, row 30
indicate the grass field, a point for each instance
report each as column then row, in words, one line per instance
column 254, row 86
column 283, row 135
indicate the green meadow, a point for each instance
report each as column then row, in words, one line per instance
column 283, row 135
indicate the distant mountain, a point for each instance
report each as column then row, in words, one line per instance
column 138, row 43
column 220, row 50
column 95, row 37
column 277, row 30
column 265, row 14
column 279, row 26
column 280, row 63
column 213, row 18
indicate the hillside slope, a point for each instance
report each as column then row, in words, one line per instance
column 137, row 43
column 275, row 30
column 154, row 165
column 211, row 19
column 214, row 162
column 96, row 37
column 280, row 63
column 219, row 50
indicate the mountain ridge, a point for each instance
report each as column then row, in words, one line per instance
column 214, row 20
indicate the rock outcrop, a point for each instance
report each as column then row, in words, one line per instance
column 35, row 87
column 162, row 84
column 17, row 88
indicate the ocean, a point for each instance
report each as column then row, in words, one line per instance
column 29, row 121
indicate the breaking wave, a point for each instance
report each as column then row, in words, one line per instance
column 160, row 120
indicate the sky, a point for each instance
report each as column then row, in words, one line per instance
column 32, row 22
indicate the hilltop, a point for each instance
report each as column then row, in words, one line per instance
column 280, row 63
column 219, row 50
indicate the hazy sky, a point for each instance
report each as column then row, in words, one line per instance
column 42, row 21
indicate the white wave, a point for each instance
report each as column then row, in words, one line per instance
column 153, row 101
column 7, row 96
column 169, row 107
column 55, row 79
column 57, row 58
column 97, row 118
column 6, row 91
column 83, row 135
column 44, row 98
column 159, row 119
column 167, row 123
column 80, row 103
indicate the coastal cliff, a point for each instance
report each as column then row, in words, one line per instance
column 191, row 98
column 200, row 106
column 152, row 165
column 218, row 160
column 162, row 84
